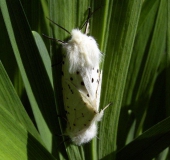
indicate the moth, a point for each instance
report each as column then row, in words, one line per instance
column 81, row 83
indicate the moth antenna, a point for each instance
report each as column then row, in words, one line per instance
column 59, row 26
column 86, row 23
column 54, row 39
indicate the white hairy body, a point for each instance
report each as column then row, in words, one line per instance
column 81, row 83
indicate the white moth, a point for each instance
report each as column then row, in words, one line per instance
column 81, row 82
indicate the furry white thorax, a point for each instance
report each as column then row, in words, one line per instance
column 82, row 51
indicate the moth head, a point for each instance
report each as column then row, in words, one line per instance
column 77, row 36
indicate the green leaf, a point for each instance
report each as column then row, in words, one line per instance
column 116, row 64
column 35, row 72
column 19, row 138
column 149, row 144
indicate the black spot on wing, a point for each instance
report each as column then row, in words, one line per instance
column 68, row 86
column 70, row 89
column 92, row 80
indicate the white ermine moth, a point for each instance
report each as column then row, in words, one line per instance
column 81, row 83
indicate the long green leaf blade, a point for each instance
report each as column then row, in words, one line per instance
column 117, row 59
column 149, row 144
column 17, row 133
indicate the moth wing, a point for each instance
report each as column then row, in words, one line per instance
column 99, row 90
column 75, row 78
column 92, row 81
column 78, row 109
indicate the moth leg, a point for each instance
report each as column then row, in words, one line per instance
column 62, row 117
